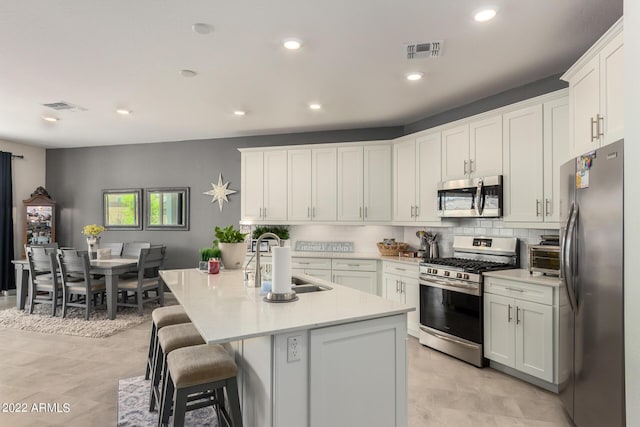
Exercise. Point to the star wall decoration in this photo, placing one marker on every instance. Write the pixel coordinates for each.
(220, 192)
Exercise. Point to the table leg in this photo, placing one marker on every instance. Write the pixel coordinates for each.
(22, 285)
(111, 282)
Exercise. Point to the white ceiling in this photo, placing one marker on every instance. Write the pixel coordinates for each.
(103, 55)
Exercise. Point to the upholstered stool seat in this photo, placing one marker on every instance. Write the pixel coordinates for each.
(163, 316)
(196, 377)
(170, 338)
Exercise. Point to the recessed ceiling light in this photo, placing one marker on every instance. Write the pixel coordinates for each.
(415, 76)
(292, 44)
(188, 73)
(315, 106)
(485, 14)
(201, 28)
(50, 119)
(239, 112)
(123, 111)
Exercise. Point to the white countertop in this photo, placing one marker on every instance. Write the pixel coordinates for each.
(223, 309)
(349, 255)
(522, 275)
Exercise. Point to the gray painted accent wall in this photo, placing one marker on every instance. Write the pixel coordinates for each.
(76, 177)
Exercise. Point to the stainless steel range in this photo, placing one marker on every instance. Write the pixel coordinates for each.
(451, 315)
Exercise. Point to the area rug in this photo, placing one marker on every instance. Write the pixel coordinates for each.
(98, 325)
(133, 407)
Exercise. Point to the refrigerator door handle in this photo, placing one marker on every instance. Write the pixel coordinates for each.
(567, 256)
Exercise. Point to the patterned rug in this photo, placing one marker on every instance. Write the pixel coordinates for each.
(133, 407)
(98, 325)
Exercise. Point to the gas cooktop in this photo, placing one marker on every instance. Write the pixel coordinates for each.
(467, 265)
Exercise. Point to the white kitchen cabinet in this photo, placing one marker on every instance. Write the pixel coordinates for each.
(596, 94)
(316, 267)
(535, 146)
(472, 150)
(263, 177)
(355, 273)
(312, 184)
(519, 327)
(416, 172)
(364, 183)
(400, 283)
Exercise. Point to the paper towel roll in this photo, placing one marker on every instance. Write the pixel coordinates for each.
(281, 270)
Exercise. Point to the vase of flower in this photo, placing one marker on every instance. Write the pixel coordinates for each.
(92, 231)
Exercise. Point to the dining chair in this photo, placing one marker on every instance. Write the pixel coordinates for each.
(79, 288)
(116, 248)
(45, 287)
(132, 249)
(150, 259)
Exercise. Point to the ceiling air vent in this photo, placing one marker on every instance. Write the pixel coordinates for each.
(424, 50)
(64, 106)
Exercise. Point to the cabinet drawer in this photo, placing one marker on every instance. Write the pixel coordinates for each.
(316, 263)
(520, 290)
(354, 264)
(401, 269)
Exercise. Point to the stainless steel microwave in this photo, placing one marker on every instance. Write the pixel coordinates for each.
(474, 197)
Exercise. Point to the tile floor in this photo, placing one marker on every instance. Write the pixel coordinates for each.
(84, 372)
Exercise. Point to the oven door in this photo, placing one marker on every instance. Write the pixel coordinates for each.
(456, 311)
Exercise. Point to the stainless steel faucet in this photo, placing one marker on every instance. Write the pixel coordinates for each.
(258, 275)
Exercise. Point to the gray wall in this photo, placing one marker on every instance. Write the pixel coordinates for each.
(76, 176)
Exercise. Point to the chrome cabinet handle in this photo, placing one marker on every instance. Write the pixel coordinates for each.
(517, 315)
(313, 212)
(515, 289)
(471, 168)
(308, 212)
(465, 167)
(412, 211)
(547, 207)
(404, 287)
(360, 214)
(537, 207)
(260, 214)
(265, 212)
(600, 119)
(365, 212)
(594, 135)
(396, 286)
(417, 211)
(509, 314)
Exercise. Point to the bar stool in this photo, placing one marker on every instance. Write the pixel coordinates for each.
(196, 377)
(163, 316)
(170, 338)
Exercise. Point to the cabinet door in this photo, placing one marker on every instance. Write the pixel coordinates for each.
(455, 153)
(556, 153)
(251, 185)
(485, 147)
(411, 288)
(427, 177)
(320, 274)
(499, 329)
(612, 90)
(275, 181)
(324, 184)
(350, 184)
(584, 106)
(299, 188)
(523, 191)
(534, 339)
(365, 281)
(377, 183)
(391, 288)
(404, 180)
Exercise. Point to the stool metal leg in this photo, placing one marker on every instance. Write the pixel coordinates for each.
(180, 407)
(166, 401)
(152, 342)
(234, 401)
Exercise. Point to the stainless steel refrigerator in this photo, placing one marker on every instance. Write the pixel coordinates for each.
(591, 333)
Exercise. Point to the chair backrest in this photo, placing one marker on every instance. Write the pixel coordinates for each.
(116, 248)
(151, 260)
(41, 261)
(132, 249)
(73, 261)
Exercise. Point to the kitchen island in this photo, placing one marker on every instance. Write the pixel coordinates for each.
(333, 357)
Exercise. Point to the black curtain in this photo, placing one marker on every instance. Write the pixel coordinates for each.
(7, 280)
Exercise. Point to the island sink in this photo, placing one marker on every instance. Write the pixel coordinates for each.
(302, 286)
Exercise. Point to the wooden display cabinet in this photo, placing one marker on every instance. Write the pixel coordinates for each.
(40, 219)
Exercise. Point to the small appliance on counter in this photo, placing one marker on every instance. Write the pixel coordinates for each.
(545, 259)
(428, 244)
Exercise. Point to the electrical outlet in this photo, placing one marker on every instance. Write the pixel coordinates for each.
(293, 348)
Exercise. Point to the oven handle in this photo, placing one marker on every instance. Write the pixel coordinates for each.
(442, 337)
(450, 286)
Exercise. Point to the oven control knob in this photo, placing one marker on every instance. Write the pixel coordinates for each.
(434, 271)
(446, 273)
(428, 270)
(466, 277)
(459, 276)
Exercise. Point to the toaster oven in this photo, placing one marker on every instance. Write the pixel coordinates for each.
(544, 259)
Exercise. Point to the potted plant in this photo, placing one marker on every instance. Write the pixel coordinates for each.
(282, 231)
(231, 244)
(206, 254)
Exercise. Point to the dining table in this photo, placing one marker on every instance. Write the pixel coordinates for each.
(110, 268)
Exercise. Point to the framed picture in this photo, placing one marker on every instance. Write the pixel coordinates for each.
(166, 208)
(122, 209)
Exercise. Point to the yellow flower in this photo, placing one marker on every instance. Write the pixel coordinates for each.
(92, 230)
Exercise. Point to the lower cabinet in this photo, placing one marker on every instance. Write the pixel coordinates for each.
(400, 283)
(519, 331)
(316, 267)
(360, 274)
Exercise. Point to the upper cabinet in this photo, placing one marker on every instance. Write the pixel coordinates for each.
(364, 183)
(263, 184)
(472, 150)
(312, 184)
(416, 173)
(596, 94)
